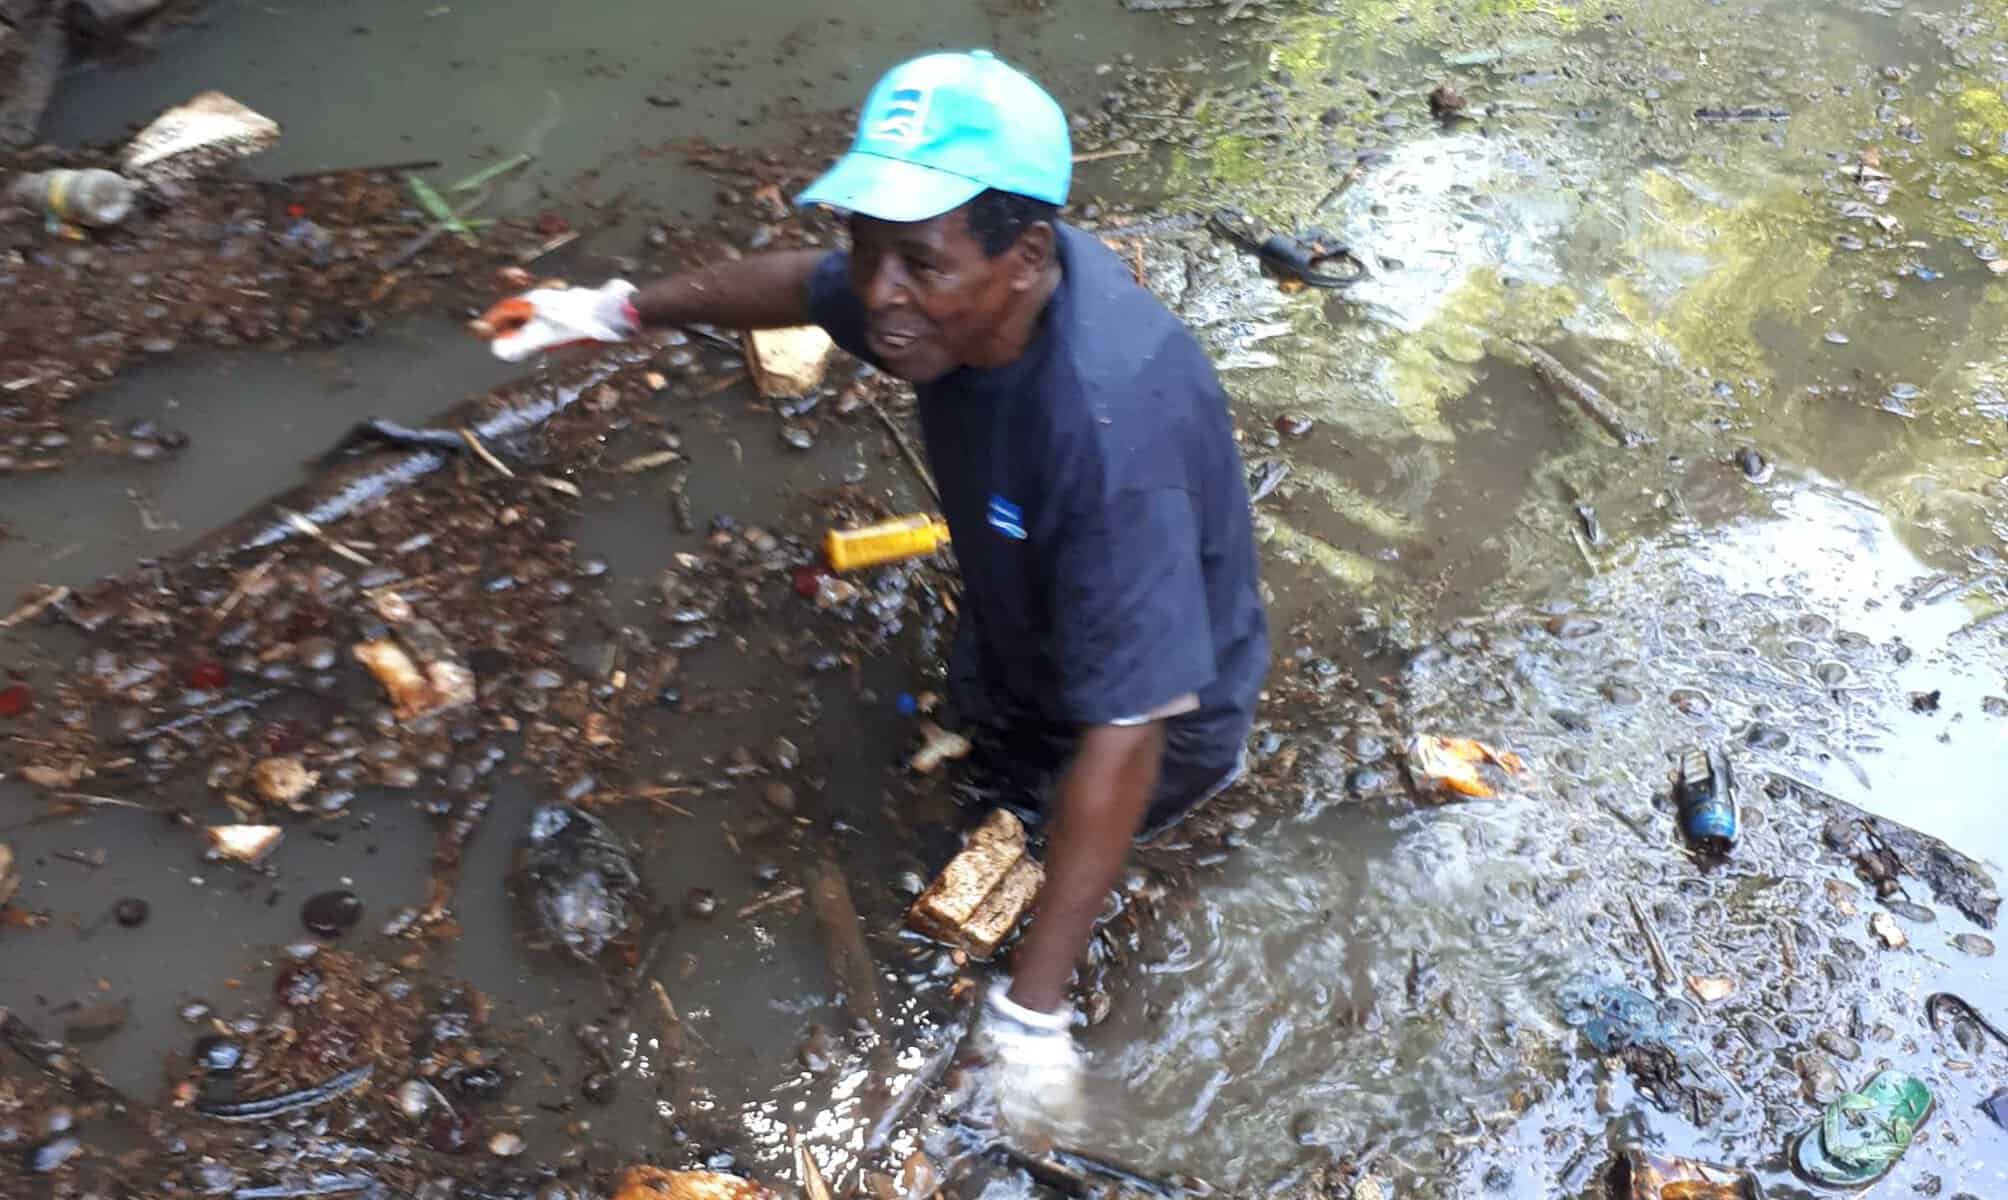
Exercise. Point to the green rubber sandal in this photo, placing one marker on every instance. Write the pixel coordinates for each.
(1863, 1134)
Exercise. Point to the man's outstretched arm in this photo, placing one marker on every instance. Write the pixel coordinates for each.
(1100, 806)
(763, 291)
(767, 291)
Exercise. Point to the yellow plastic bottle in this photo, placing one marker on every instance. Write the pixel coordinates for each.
(887, 541)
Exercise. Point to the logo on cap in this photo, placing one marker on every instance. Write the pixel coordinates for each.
(905, 116)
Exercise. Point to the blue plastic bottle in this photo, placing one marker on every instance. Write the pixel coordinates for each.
(1705, 795)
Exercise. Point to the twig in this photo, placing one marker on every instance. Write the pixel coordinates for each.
(49, 598)
(677, 1026)
(648, 462)
(899, 438)
(104, 801)
(564, 486)
(786, 894)
(1662, 963)
(1583, 547)
(1639, 830)
(481, 452)
(814, 1186)
(850, 959)
(246, 582)
(1573, 387)
(320, 535)
(1338, 189)
(1111, 152)
(556, 241)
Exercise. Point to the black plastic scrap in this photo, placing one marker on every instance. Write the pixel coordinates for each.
(287, 1102)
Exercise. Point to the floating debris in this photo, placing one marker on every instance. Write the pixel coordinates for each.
(331, 913)
(940, 746)
(580, 879)
(282, 780)
(1442, 768)
(191, 139)
(244, 843)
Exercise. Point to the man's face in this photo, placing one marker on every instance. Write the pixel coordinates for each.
(931, 296)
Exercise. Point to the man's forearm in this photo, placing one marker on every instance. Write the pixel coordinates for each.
(1102, 799)
(764, 291)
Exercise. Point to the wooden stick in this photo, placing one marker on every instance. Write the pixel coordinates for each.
(1662, 962)
(1111, 152)
(481, 452)
(1568, 385)
(50, 597)
(791, 892)
(556, 241)
(246, 582)
(320, 535)
(912, 456)
(844, 941)
(814, 1186)
(674, 1023)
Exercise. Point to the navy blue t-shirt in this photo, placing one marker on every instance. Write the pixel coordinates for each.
(1099, 512)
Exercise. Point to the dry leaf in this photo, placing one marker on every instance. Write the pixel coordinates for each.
(1711, 988)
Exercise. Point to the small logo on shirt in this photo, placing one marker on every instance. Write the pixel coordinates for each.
(904, 117)
(1006, 518)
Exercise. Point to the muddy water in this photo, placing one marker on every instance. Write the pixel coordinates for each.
(1355, 973)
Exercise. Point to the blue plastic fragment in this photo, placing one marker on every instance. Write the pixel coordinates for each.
(906, 704)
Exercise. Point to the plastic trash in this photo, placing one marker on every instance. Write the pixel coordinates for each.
(1862, 1134)
(192, 139)
(1705, 796)
(1611, 1015)
(93, 197)
(1444, 768)
(1642, 1174)
(887, 541)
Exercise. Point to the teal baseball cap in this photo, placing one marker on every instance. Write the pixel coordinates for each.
(939, 130)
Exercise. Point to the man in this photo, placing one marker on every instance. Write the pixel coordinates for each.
(1112, 639)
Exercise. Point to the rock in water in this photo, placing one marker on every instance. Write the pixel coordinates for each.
(331, 913)
(580, 879)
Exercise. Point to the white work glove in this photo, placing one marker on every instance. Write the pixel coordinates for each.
(547, 318)
(1031, 1067)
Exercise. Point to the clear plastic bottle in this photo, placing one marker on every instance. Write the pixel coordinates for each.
(93, 196)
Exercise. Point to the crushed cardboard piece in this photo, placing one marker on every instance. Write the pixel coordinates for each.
(786, 363)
